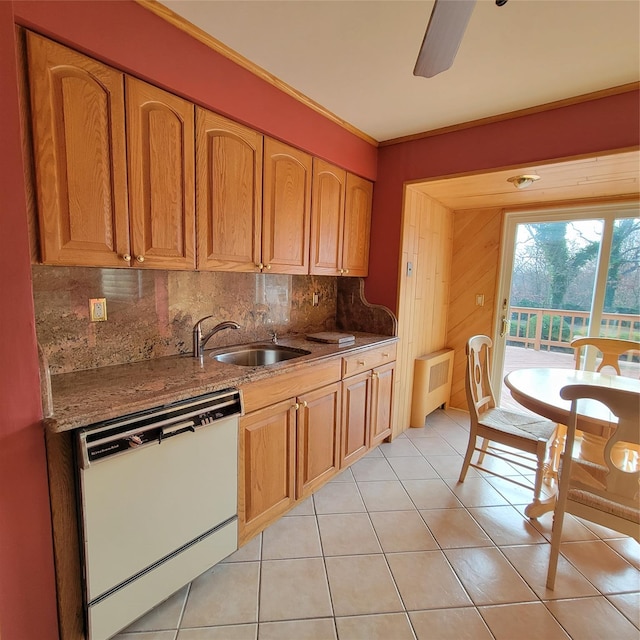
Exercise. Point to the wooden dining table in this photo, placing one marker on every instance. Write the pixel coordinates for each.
(538, 390)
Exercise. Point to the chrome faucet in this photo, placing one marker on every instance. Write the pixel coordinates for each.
(199, 341)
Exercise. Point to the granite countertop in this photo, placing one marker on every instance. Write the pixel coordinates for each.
(81, 398)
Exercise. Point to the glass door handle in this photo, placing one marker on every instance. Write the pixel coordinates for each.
(505, 327)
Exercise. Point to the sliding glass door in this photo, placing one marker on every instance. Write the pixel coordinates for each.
(565, 273)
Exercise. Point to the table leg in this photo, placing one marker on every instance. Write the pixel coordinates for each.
(540, 507)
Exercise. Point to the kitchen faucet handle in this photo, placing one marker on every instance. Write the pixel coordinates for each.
(199, 322)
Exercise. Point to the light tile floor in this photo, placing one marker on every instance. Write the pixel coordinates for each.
(394, 548)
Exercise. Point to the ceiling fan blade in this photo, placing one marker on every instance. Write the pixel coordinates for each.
(446, 27)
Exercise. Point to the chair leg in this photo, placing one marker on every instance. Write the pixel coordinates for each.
(483, 449)
(556, 534)
(467, 458)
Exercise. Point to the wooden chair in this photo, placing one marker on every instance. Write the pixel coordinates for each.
(606, 495)
(607, 357)
(609, 350)
(529, 434)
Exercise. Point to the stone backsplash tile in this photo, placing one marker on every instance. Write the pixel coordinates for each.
(151, 313)
(355, 313)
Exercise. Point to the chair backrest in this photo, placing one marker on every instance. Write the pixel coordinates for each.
(610, 348)
(614, 484)
(480, 396)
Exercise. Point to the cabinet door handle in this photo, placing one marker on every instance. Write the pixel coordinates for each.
(260, 266)
(140, 258)
(296, 405)
(126, 257)
(346, 271)
(268, 267)
(304, 404)
(385, 355)
(374, 375)
(361, 363)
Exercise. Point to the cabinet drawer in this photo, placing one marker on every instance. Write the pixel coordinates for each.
(266, 392)
(365, 360)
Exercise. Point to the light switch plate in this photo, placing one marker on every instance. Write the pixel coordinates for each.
(98, 309)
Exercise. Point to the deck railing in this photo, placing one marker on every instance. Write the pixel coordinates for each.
(553, 329)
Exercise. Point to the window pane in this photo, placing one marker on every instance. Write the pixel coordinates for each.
(622, 295)
(553, 278)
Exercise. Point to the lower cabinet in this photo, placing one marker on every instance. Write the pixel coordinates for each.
(290, 448)
(286, 451)
(266, 485)
(356, 393)
(318, 442)
(366, 411)
(382, 379)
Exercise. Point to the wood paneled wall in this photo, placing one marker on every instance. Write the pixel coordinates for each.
(475, 270)
(427, 235)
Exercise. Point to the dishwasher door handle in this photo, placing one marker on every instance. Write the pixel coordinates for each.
(175, 429)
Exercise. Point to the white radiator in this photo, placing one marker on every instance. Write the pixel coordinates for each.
(431, 384)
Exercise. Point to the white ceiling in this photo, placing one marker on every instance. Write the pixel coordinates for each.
(356, 57)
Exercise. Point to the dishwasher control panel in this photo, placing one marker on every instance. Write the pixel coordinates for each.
(123, 434)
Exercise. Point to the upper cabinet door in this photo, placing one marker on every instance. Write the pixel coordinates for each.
(77, 109)
(160, 143)
(228, 194)
(286, 219)
(327, 218)
(357, 226)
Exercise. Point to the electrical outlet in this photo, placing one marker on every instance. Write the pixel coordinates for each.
(98, 309)
(316, 299)
(479, 299)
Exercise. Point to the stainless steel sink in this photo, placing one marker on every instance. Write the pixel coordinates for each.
(258, 355)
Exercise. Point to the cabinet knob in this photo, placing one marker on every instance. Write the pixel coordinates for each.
(341, 271)
(346, 271)
(374, 375)
(260, 266)
(304, 404)
(385, 355)
(268, 267)
(140, 258)
(361, 363)
(296, 406)
(126, 257)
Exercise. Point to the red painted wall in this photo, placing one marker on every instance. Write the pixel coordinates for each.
(27, 590)
(600, 125)
(128, 36)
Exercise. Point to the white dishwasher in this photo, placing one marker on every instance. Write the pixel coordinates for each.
(158, 504)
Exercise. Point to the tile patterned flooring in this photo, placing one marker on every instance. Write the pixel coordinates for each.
(394, 548)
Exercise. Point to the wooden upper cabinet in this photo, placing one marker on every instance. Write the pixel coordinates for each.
(229, 193)
(286, 215)
(160, 144)
(77, 107)
(357, 226)
(340, 221)
(327, 218)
